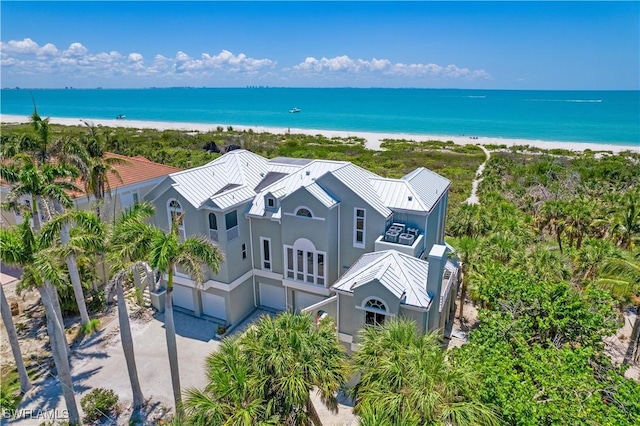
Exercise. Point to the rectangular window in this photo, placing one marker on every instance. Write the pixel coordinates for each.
(136, 200)
(310, 276)
(231, 222)
(300, 268)
(320, 268)
(244, 251)
(271, 202)
(359, 227)
(290, 262)
(266, 253)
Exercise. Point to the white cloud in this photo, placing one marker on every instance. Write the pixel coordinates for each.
(75, 49)
(24, 59)
(27, 57)
(135, 57)
(344, 64)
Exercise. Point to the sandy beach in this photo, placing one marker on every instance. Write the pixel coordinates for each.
(373, 139)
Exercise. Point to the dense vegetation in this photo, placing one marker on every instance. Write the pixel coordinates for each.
(187, 149)
(551, 256)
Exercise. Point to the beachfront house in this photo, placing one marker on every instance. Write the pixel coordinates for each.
(323, 236)
(135, 177)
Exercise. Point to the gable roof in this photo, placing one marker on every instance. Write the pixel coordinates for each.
(428, 185)
(403, 275)
(205, 184)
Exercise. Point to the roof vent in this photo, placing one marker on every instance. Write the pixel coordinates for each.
(261, 174)
(308, 172)
(410, 198)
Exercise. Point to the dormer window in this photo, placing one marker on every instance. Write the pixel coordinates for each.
(271, 202)
(304, 212)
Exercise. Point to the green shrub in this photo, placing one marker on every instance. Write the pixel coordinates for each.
(9, 392)
(99, 403)
(91, 327)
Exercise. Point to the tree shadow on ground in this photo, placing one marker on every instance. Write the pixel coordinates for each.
(191, 327)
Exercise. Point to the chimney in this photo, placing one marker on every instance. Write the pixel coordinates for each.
(437, 259)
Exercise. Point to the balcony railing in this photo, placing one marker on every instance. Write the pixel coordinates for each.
(233, 233)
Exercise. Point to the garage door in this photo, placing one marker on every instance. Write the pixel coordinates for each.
(214, 306)
(272, 296)
(183, 297)
(306, 299)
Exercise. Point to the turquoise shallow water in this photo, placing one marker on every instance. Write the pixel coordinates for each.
(573, 116)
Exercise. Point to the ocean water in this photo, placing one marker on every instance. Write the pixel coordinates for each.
(573, 116)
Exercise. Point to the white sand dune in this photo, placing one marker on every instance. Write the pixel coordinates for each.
(373, 139)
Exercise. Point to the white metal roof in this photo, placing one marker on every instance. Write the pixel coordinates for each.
(398, 194)
(239, 167)
(428, 185)
(359, 180)
(403, 275)
(232, 179)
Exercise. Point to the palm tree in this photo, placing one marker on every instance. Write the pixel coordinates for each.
(21, 247)
(129, 240)
(407, 379)
(579, 219)
(190, 255)
(589, 259)
(233, 394)
(42, 184)
(42, 148)
(265, 376)
(90, 239)
(466, 251)
(98, 167)
(552, 215)
(621, 276)
(626, 219)
(25, 382)
(307, 357)
(126, 336)
(470, 220)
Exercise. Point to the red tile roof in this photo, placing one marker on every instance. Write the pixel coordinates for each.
(138, 170)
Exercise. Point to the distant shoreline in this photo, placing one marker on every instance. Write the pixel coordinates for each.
(373, 139)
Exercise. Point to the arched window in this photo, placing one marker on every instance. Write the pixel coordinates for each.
(176, 216)
(213, 227)
(304, 212)
(374, 312)
(304, 263)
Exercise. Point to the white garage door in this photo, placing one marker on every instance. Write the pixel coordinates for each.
(304, 300)
(214, 306)
(272, 296)
(183, 297)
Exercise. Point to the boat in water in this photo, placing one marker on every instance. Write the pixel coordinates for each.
(121, 117)
(294, 110)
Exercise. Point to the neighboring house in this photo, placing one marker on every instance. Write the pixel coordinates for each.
(326, 236)
(135, 179)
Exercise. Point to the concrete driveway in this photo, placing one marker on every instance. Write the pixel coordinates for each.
(99, 362)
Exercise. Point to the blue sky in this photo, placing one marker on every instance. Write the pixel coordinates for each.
(493, 45)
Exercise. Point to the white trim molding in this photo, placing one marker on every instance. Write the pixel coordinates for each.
(356, 230)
